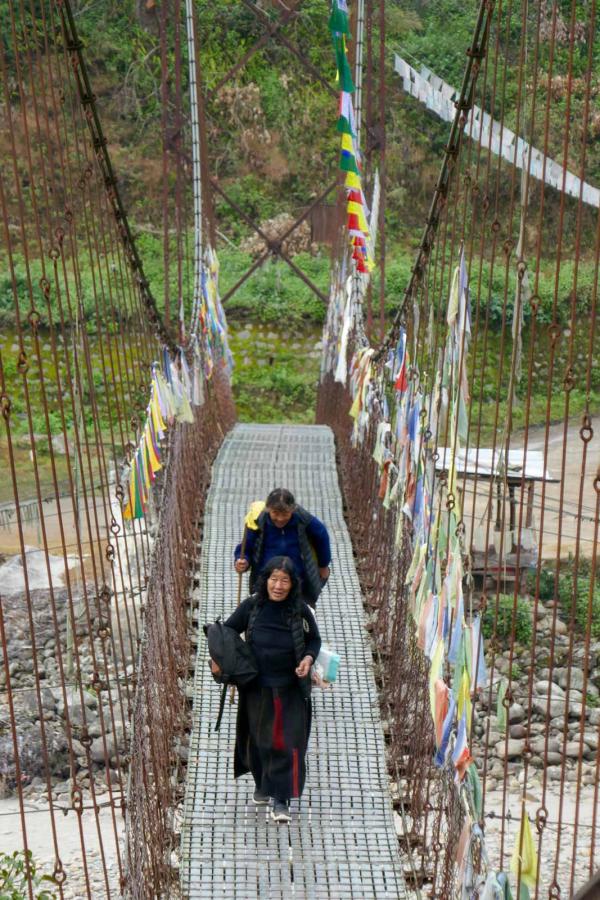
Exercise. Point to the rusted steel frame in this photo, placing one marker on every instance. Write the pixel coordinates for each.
(180, 195)
(274, 247)
(88, 493)
(255, 265)
(260, 14)
(464, 103)
(150, 788)
(260, 43)
(110, 527)
(207, 201)
(75, 50)
(382, 167)
(163, 17)
(24, 367)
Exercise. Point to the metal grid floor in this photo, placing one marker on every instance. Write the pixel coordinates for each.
(341, 842)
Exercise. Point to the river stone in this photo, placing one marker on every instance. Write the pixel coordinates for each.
(518, 731)
(516, 713)
(509, 749)
(557, 707)
(591, 739)
(576, 678)
(572, 749)
(594, 716)
(538, 745)
(543, 688)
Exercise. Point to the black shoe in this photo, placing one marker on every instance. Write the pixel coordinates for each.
(259, 798)
(280, 812)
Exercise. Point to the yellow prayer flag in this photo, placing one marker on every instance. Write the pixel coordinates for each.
(525, 853)
(253, 513)
(347, 143)
(157, 419)
(463, 701)
(128, 511)
(155, 463)
(353, 181)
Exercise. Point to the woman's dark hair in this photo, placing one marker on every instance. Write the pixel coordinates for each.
(280, 498)
(283, 564)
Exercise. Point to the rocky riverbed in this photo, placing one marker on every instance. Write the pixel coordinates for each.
(84, 688)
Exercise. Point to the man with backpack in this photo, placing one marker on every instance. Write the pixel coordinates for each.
(285, 529)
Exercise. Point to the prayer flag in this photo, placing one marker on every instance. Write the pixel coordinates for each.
(525, 855)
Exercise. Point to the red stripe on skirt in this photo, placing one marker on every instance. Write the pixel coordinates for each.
(278, 740)
(295, 779)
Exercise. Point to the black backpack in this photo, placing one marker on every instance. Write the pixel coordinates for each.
(233, 656)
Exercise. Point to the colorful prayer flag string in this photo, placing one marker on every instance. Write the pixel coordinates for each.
(171, 396)
(350, 159)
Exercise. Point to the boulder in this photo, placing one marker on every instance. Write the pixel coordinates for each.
(576, 678)
(540, 705)
(572, 750)
(544, 688)
(509, 749)
(516, 713)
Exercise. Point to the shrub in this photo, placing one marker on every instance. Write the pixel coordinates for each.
(523, 619)
(570, 589)
(13, 878)
(546, 586)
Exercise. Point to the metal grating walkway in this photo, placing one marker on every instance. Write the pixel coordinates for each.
(341, 843)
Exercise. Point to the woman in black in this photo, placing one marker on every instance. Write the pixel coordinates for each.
(274, 712)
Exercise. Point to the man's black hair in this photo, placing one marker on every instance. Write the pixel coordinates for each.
(280, 498)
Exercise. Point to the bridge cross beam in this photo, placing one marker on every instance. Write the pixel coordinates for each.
(288, 12)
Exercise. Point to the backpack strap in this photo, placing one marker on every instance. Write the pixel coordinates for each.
(252, 617)
(221, 707)
(313, 584)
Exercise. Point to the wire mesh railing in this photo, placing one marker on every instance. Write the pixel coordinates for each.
(469, 463)
(110, 420)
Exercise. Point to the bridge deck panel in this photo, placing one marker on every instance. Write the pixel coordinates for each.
(341, 843)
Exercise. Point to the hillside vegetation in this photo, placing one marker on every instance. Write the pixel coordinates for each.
(272, 142)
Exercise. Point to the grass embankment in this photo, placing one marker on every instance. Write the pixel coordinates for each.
(277, 366)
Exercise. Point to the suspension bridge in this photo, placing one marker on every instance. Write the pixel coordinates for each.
(455, 460)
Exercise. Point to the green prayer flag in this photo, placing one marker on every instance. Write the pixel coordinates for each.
(138, 510)
(338, 20)
(476, 792)
(344, 126)
(500, 707)
(348, 164)
(343, 67)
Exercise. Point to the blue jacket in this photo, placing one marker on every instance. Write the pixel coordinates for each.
(287, 541)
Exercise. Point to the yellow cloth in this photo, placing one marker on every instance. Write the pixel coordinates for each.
(525, 853)
(347, 143)
(353, 181)
(463, 701)
(155, 463)
(435, 672)
(253, 513)
(129, 508)
(157, 419)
